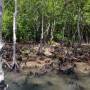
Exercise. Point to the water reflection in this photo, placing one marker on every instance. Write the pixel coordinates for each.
(49, 82)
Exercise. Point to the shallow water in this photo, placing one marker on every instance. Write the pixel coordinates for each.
(47, 82)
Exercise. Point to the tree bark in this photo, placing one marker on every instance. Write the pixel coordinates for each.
(47, 33)
(78, 26)
(42, 32)
(2, 78)
(52, 30)
(41, 39)
(14, 64)
(0, 20)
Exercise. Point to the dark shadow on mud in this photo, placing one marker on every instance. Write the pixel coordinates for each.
(30, 86)
(73, 80)
(75, 85)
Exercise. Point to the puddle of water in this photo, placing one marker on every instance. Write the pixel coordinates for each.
(47, 82)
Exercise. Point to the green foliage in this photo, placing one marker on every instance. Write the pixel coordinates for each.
(30, 14)
(60, 36)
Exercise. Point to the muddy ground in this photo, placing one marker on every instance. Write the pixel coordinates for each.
(55, 57)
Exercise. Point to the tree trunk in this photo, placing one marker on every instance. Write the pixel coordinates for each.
(37, 29)
(51, 33)
(87, 41)
(14, 64)
(78, 26)
(41, 39)
(0, 20)
(52, 30)
(42, 32)
(47, 32)
(1, 45)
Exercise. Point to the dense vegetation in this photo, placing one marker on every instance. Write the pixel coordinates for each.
(48, 20)
(51, 38)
